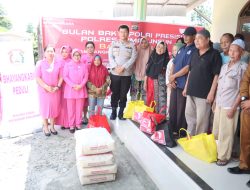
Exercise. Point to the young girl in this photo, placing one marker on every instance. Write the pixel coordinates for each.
(155, 82)
(75, 75)
(143, 53)
(175, 49)
(225, 41)
(49, 79)
(227, 102)
(62, 118)
(87, 59)
(97, 84)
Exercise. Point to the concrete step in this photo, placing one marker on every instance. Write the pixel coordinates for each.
(161, 168)
(173, 168)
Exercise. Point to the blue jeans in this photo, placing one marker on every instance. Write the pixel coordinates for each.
(93, 102)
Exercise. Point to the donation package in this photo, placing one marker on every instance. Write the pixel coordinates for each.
(94, 157)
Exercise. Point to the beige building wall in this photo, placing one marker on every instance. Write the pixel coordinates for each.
(225, 17)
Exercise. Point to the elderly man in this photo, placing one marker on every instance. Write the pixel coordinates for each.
(201, 84)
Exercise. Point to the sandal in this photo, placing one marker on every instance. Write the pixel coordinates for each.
(221, 162)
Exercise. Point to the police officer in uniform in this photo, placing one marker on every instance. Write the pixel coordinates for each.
(122, 54)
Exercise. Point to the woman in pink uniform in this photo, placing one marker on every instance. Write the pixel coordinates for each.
(62, 118)
(49, 79)
(87, 58)
(75, 75)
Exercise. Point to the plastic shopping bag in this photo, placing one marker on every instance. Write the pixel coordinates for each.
(202, 146)
(139, 109)
(164, 135)
(99, 120)
(129, 110)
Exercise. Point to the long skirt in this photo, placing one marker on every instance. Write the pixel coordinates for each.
(156, 91)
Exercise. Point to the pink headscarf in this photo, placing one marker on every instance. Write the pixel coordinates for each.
(142, 59)
(68, 48)
(67, 59)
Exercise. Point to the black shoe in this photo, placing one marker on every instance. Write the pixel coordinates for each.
(248, 183)
(46, 134)
(120, 114)
(63, 128)
(237, 170)
(113, 114)
(53, 132)
(72, 130)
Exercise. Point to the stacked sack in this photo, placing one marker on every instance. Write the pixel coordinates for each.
(94, 158)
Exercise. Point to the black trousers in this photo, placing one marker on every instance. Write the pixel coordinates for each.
(177, 107)
(120, 86)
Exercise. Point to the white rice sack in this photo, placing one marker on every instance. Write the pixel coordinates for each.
(95, 160)
(93, 141)
(100, 170)
(84, 180)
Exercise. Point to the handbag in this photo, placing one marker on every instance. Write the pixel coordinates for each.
(98, 120)
(129, 110)
(164, 135)
(150, 120)
(139, 109)
(202, 146)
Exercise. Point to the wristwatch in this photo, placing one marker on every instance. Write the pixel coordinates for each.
(243, 98)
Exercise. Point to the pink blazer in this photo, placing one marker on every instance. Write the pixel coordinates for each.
(75, 74)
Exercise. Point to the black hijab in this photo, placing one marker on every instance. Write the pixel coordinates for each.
(157, 63)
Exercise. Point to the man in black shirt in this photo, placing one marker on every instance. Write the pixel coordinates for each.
(201, 85)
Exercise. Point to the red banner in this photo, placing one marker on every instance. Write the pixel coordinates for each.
(76, 32)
